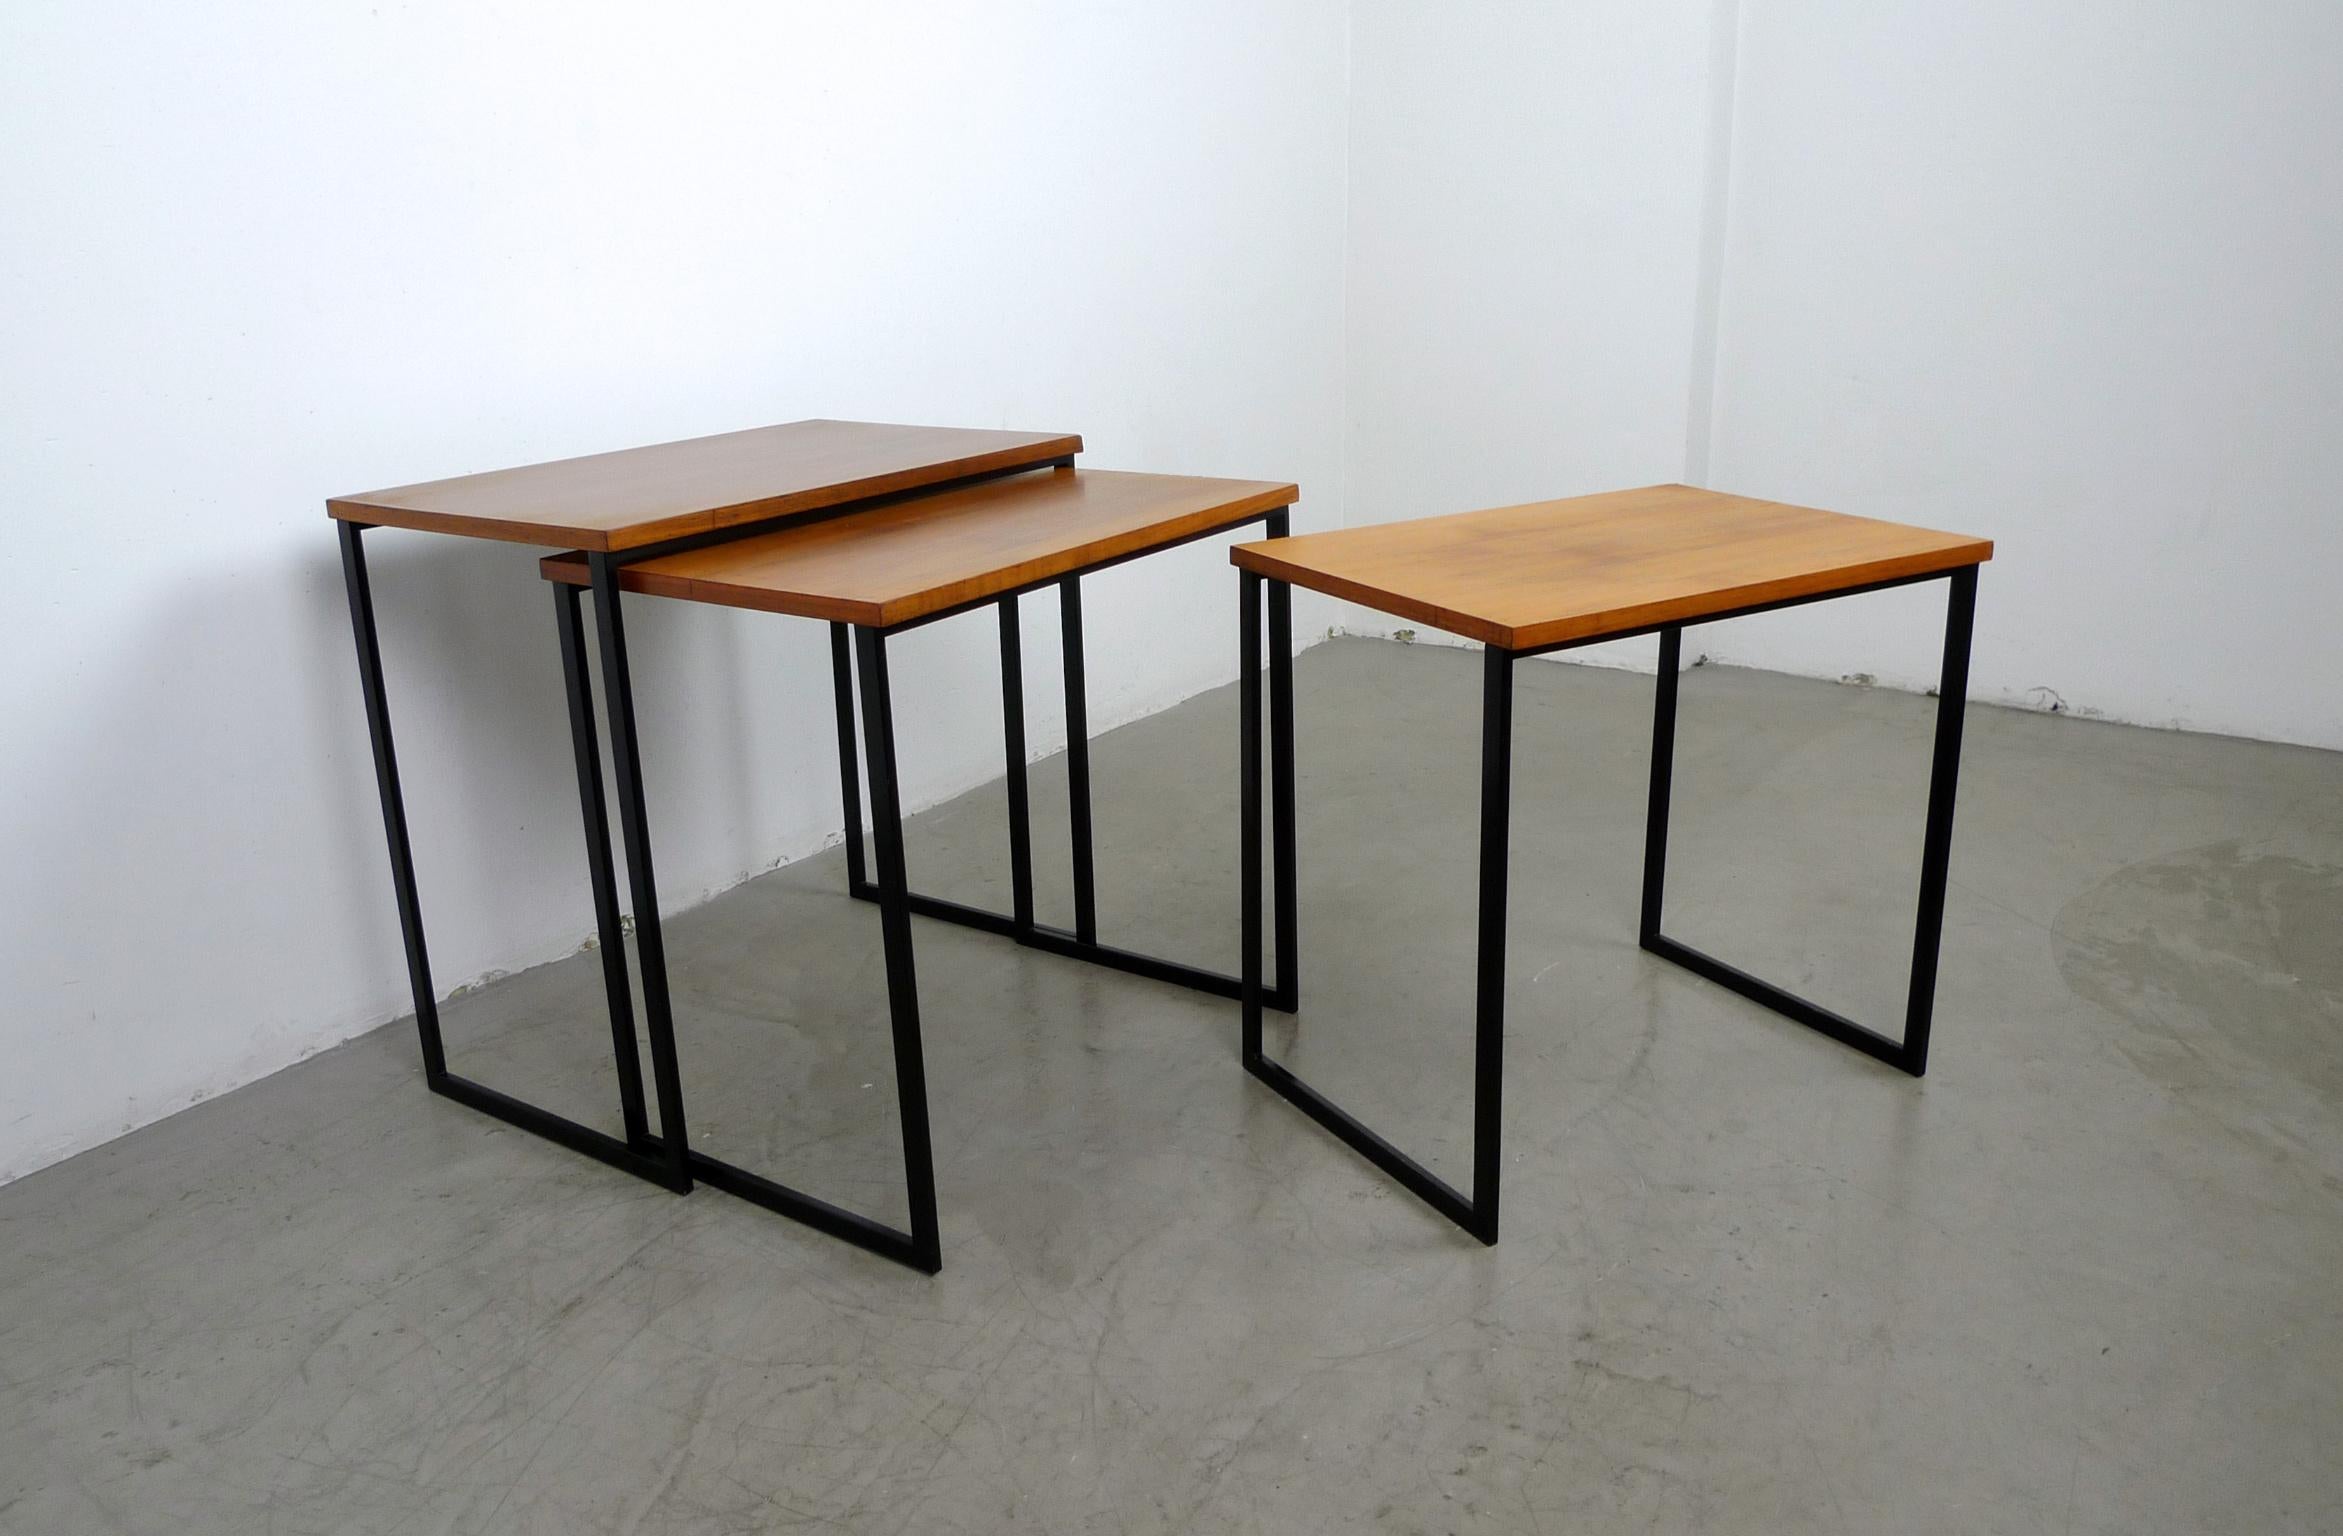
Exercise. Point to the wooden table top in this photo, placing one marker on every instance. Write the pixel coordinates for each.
(638, 496)
(1591, 566)
(922, 554)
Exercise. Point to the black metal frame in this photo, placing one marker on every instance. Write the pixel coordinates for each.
(920, 1248)
(1477, 1212)
(1909, 1054)
(636, 1153)
(666, 1157)
(1019, 923)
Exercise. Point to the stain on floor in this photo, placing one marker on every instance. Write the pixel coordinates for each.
(2228, 946)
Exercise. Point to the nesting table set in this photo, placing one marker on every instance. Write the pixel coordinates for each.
(876, 529)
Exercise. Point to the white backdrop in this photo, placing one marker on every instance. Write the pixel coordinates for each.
(1527, 186)
(2069, 275)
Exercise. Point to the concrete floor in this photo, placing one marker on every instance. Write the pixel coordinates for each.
(2084, 1278)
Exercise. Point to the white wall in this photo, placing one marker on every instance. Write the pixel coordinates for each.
(254, 255)
(1527, 191)
(2070, 275)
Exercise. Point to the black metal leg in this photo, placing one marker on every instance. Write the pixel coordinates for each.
(1489, 983)
(1249, 815)
(1952, 697)
(849, 771)
(919, 1247)
(1013, 750)
(478, 1096)
(394, 809)
(607, 925)
(1078, 760)
(676, 1161)
(650, 949)
(1081, 941)
(1286, 994)
(1663, 770)
(895, 924)
(1031, 932)
(1910, 1054)
(1476, 1213)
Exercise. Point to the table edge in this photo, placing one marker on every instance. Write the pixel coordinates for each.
(1260, 557)
(743, 515)
(569, 567)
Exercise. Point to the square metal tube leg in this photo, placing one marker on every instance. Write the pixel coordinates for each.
(1013, 754)
(1663, 770)
(1909, 1054)
(1476, 1213)
(858, 883)
(608, 927)
(1249, 816)
(1020, 923)
(919, 1247)
(1285, 994)
(479, 1096)
(925, 1249)
(1489, 979)
(394, 806)
(1944, 774)
(634, 830)
(1078, 760)
(849, 766)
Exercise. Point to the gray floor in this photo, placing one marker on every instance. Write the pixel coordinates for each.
(2084, 1278)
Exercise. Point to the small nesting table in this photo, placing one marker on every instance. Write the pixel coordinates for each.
(1551, 575)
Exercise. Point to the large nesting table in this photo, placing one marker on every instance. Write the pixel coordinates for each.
(1551, 575)
(876, 528)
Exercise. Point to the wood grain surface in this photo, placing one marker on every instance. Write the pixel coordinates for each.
(922, 554)
(638, 496)
(1589, 566)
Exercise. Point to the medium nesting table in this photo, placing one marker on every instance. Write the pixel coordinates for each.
(878, 571)
(1551, 575)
